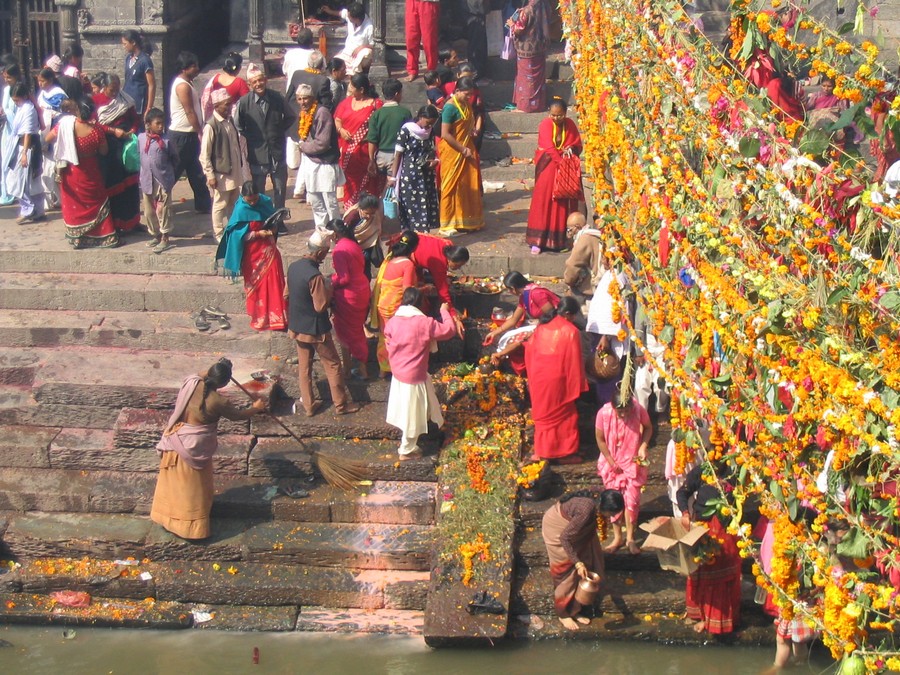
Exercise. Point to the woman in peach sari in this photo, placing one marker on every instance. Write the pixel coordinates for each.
(461, 200)
(396, 274)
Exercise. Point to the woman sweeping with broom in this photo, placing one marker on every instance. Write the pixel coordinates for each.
(184, 487)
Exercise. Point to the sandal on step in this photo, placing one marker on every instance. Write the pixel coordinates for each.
(201, 324)
(223, 323)
(209, 310)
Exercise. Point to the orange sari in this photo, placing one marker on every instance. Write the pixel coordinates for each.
(394, 276)
(461, 200)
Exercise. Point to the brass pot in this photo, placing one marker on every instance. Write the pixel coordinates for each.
(588, 589)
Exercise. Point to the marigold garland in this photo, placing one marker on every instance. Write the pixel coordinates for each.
(306, 120)
(779, 311)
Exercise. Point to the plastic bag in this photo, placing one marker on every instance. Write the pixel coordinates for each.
(131, 156)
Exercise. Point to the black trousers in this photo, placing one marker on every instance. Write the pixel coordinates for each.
(477, 49)
(188, 146)
(278, 172)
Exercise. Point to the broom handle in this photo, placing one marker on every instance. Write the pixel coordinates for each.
(270, 414)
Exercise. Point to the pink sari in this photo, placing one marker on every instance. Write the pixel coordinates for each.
(351, 298)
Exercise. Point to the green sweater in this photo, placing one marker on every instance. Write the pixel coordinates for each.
(384, 125)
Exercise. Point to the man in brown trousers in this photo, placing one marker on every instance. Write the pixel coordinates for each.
(309, 297)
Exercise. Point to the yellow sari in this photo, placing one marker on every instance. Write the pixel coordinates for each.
(461, 201)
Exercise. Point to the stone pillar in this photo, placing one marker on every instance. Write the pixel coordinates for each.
(68, 23)
(379, 67)
(257, 50)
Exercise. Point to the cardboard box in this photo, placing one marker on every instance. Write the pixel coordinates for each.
(674, 546)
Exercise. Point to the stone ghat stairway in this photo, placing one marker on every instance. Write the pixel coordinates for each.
(78, 477)
(94, 347)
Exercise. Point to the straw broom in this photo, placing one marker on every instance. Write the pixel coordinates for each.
(343, 474)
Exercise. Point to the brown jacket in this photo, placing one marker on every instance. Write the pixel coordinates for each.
(585, 260)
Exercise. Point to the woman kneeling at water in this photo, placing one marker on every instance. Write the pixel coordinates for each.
(184, 487)
(570, 534)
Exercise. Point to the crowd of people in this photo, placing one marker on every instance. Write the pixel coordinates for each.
(99, 150)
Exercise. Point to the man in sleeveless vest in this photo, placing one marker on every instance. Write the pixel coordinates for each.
(223, 156)
(309, 297)
(186, 122)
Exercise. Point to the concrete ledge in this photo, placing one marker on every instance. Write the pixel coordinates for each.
(386, 621)
(103, 612)
(368, 547)
(249, 618)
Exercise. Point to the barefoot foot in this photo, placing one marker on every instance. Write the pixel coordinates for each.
(614, 546)
(583, 620)
(700, 627)
(633, 548)
(568, 623)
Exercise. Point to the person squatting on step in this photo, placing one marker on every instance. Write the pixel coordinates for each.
(184, 487)
(569, 530)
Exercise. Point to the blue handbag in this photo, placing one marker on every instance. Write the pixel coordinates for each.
(389, 202)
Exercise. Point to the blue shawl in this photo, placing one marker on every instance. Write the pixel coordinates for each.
(231, 248)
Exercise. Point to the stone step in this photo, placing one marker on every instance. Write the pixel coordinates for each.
(518, 176)
(283, 457)
(368, 423)
(248, 618)
(80, 490)
(225, 583)
(103, 612)
(523, 146)
(516, 122)
(624, 593)
(383, 621)
(659, 627)
(24, 411)
(372, 546)
(118, 378)
(58, 490)
(118, 292)
(26, 447)
(161, 331)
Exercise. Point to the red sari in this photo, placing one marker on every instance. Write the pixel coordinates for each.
(83, 200)
(355, 152)
(263, 274)
(555, 381)
(547, 216)
(713, 592)
(351, 297)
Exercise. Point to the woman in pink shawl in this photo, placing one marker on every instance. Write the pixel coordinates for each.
(351, 298)
(184, 487)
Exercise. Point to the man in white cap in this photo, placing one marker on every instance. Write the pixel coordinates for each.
(263, 119)
(309, 296)
(319, 164)
(223, 156)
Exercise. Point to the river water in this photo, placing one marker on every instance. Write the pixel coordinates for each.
(195, 652)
